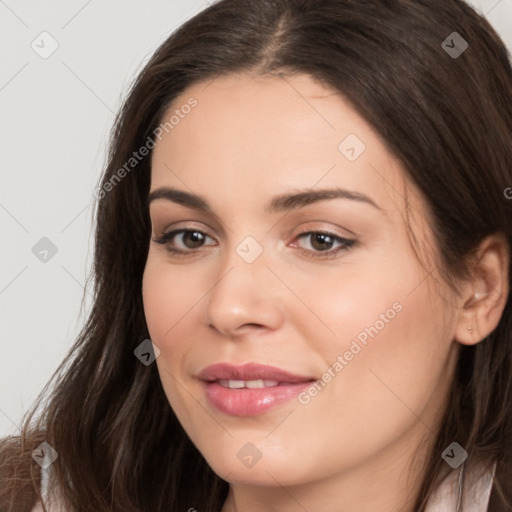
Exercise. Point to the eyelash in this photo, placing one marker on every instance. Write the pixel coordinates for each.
(347, 244)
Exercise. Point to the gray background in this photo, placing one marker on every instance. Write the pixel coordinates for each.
(56, 116)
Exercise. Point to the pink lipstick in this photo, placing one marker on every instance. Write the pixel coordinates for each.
(250, 389)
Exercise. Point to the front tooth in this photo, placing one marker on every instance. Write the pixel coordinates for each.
(250, 384)
(254, 384)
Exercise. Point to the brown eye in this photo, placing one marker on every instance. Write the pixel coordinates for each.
(321, 244)
(183, 240)
(192, 239)
(321, 241)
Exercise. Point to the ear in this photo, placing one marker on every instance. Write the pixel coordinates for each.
(484, 297)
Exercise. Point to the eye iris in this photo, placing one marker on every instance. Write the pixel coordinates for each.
(323, 240)
(194, 237)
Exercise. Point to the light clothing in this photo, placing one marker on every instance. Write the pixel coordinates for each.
(52, 504)
(478, 492)
(444, 499)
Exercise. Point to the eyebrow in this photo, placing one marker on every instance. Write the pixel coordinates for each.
(280, 203)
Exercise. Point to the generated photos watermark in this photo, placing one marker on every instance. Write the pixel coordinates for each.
(342, 361)
(139, 155)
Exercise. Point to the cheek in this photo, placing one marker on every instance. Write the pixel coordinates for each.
(382, 341)
(168, 299)
(357, 300)
(168, 296)
(173, 299)
(391, 373)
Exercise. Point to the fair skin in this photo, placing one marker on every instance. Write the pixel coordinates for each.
(353, 446)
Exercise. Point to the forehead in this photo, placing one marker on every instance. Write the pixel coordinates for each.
(261, 136)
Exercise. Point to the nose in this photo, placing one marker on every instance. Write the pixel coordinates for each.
(245, 297)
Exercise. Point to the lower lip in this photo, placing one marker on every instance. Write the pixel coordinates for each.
(250, 402)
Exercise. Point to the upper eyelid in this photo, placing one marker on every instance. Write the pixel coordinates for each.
(190, 224)
(175, 226)
(214, 223)
(208, 216)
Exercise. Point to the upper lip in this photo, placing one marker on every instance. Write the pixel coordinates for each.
(249, 371)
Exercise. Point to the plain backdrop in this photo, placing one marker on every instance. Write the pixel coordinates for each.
(56, 112)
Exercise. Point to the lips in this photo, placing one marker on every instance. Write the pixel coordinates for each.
(250, 389)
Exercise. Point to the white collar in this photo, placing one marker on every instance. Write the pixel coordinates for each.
(476, 499)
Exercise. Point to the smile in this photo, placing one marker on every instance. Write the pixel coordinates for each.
(250, 389)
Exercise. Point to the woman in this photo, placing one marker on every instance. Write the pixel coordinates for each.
(302, 274)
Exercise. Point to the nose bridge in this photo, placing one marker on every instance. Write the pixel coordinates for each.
(244, 261)
(243, 292)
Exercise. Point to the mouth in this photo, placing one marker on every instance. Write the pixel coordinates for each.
(250, 389)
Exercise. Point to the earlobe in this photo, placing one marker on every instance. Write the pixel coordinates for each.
(485, 296)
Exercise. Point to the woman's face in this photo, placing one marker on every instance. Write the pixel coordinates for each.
(291, 252)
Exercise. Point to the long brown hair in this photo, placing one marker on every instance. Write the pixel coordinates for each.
(446, 117)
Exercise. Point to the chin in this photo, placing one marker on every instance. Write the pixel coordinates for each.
(242, 463)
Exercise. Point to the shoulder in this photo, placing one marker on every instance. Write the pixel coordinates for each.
(19, 474)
